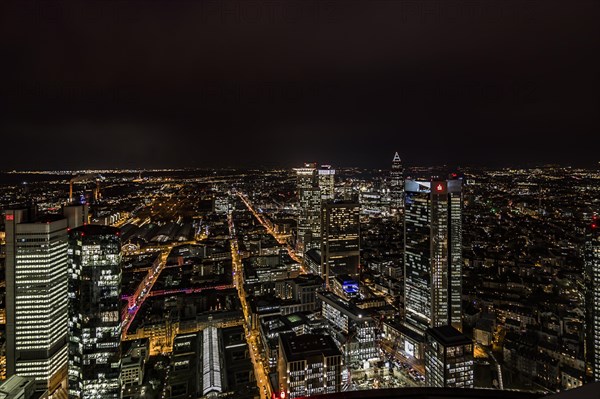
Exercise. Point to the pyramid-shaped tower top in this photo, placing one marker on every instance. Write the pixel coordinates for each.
(396, 158)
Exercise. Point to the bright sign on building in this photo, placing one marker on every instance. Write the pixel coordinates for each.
(350, 287)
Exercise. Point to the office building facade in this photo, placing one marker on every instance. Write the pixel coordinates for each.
(433, 254)
(94, 312)
(352, 328)
(309, 200)
(326, 182)
(308, 364)
(36, 302)
(448, 358)
(592, 278)
(76, 214)
(340, 235)
(314, 185)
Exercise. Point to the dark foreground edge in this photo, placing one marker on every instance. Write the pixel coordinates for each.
(587, 391)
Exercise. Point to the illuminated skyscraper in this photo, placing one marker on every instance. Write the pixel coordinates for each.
(433, 254)
(94, 312)
(396, 183)
(340, 234)
(326, 177)
(36, 300)
(309, 198)
(314, 186)
(592, 269)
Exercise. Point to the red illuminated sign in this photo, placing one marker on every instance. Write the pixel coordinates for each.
(439, 187)
(10, 217)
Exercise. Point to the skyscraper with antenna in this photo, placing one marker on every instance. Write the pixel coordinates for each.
(396, 184)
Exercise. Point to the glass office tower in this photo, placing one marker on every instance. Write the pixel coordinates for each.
(326, 177)
(94, 312)
(309, 199)
(433, 254)
(340, 234)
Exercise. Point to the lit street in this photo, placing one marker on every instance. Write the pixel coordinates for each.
(260, 373)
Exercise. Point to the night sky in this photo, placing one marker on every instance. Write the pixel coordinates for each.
(275, 83)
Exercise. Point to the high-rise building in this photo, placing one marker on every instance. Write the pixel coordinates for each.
(314, 185)
(36, 300)
(309, 198)
(592, 269)
(76, 214)
(396, 184)
(308, 364)
(340, 239)
(448, 358)
(433, 254)
(94, 312)
(352, 328)
(326, 177)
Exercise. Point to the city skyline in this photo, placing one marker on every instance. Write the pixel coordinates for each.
(293, 199)
(476, 280)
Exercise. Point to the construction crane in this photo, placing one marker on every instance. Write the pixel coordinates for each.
(86, 178)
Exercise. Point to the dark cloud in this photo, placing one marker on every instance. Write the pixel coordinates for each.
(218, 83)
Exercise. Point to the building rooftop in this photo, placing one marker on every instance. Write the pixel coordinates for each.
(405, 330)
(344, 306)
(131, 361)
(19, 387)
(449, 336)
(48, 218)
(314, 255)
(298, 347)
